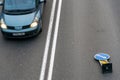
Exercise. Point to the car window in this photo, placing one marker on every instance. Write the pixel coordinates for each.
(19, 4)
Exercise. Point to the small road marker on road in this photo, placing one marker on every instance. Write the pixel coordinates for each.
(103, 59)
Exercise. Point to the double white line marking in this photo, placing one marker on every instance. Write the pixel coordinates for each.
(45, 56)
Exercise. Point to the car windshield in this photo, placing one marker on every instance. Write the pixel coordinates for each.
(18, 5)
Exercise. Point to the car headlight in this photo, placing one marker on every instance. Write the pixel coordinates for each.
(2, 24)
(35, 23)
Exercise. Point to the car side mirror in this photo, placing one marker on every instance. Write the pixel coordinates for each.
(42, 1)
(1, 3)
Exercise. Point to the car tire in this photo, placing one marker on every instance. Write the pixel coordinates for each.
(41, 26)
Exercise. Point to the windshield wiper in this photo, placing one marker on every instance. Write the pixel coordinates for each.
(9, 11)
(19, 11)
(30, 10)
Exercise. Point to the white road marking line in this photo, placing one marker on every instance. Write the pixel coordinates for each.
(54, 41)
(45, 55)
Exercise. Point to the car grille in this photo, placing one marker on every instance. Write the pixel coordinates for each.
(13, 28)
(25, 27)
(10, 27)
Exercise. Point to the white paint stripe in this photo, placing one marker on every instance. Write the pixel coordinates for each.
(101, 56)
(45, 55)
(54, 41)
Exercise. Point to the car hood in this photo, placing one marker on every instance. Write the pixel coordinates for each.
(19, 20)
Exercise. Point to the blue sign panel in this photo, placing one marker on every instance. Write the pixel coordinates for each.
(102, 56)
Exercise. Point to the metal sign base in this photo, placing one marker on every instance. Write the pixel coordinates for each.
(106, 66)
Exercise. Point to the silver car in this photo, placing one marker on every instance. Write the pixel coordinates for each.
(21, 18)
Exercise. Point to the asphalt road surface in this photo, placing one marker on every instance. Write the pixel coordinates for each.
(22, 59)
(86, 28)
